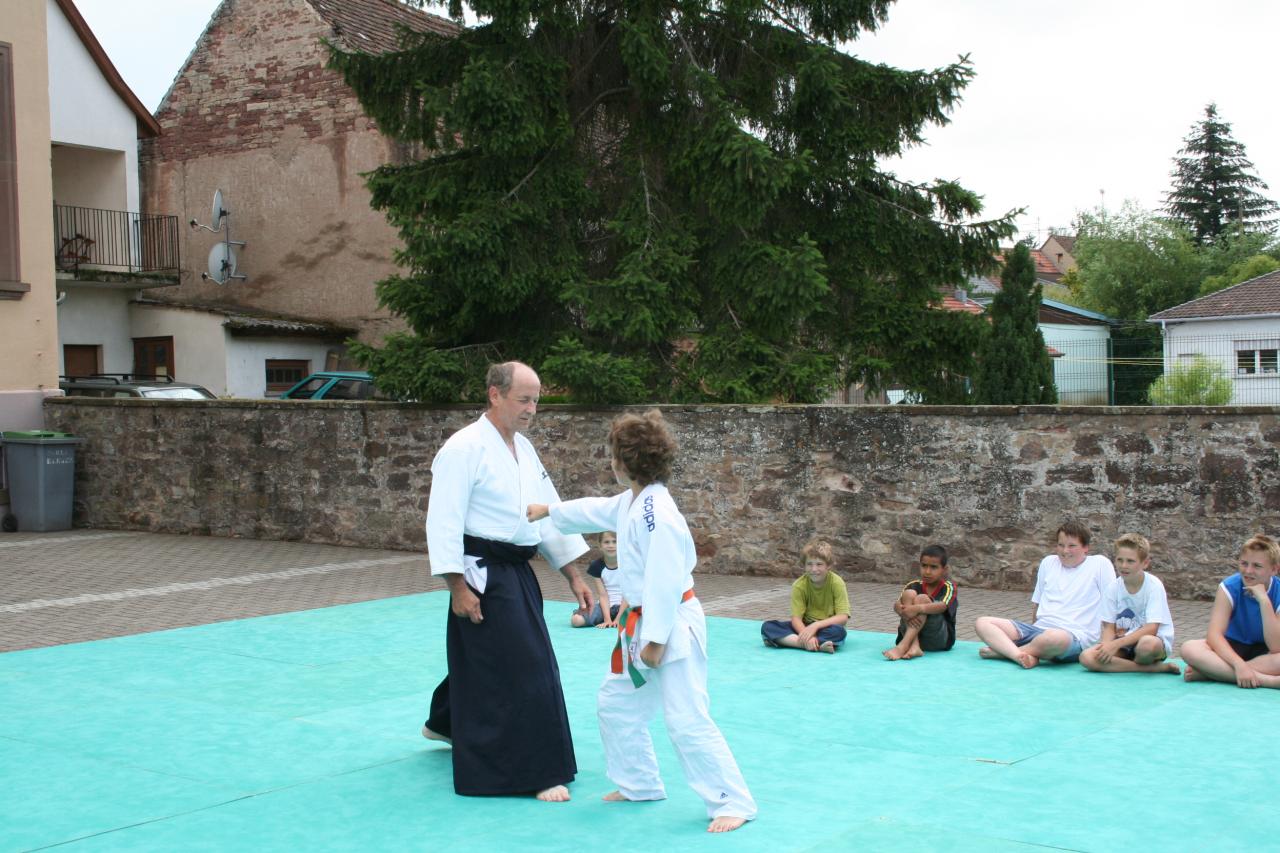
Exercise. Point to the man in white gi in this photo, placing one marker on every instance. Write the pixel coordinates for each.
(661, 659)
(501, 705)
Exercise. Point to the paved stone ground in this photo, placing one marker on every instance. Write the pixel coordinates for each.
(81, 585)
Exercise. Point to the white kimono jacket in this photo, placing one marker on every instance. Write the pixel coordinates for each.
(656, 557)
(479, 489)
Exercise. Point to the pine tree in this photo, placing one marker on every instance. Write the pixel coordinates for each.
(667, 200)
(1213, 188)
(1014, 367)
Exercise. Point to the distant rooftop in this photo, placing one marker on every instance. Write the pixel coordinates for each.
(1256, 297)
(373, 26)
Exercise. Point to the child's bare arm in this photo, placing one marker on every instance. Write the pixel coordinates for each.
(1270, 621)
(934, 607)
(1148, 630)
(837, 619)
(1216, 640)
(604, 604)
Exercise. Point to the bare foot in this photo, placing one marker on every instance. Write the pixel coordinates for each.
(725, 824)
(1190, 674)
(1028, 661)
(914, 652)
(1171, 668)
(989, 653)
(894, 653)
(430, 735)
(554, 794)
(614, 797)
(828, 647)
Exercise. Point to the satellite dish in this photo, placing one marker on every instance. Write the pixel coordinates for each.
(222, 257)
(218, 212)
(222, 263)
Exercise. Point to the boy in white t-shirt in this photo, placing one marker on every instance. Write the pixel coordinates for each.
(1067, 606)
(1137, 627)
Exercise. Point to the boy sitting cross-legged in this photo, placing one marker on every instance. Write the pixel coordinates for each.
(1137, 628)
(1066, 606)
(926, 609)
(1243, 646)
(819, 606)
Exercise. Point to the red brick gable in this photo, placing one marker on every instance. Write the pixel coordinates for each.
(257, 75)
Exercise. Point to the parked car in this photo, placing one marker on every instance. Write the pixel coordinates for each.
(335, 385)
(131, 385)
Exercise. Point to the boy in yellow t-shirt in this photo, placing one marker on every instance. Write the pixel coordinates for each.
(819, 606)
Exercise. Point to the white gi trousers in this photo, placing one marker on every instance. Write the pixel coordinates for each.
(679, 689)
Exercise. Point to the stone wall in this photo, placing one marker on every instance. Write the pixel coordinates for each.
(991, 483)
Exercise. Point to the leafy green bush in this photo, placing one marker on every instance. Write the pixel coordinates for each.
(1200, 383)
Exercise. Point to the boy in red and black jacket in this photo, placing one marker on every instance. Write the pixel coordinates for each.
(926, 609)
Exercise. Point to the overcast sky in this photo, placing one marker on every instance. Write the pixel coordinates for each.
(1075, 101)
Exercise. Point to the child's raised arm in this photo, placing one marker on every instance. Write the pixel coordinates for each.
(1270, 621)
(1217, 640)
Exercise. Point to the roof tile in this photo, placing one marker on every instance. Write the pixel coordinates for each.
(373, 26)
(1259, 295)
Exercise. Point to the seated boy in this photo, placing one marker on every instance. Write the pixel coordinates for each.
(604, 613)
(819, 606)
(1067, 606)
(1243, 646)
(1137, 628)
(926, 609)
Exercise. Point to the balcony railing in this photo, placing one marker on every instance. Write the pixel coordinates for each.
(90, 241)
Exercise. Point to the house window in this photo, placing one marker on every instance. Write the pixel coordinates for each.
(11, 285)
(1255, 358)
(283, 374)
(81, 359)
(153, 357)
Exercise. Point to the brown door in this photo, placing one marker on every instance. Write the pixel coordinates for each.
(153, 357)
(81, 359)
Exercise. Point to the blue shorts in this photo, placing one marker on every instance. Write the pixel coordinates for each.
(1027, 633)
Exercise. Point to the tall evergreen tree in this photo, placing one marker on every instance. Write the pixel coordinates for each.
(671, 199)
(1014, 367)
(1213, 187)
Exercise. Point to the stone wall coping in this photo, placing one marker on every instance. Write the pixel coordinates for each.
(789, 408)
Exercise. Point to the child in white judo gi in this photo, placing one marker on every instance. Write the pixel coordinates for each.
(661, 658)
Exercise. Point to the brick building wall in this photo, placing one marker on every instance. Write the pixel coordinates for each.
(991, 483)
(255, 113)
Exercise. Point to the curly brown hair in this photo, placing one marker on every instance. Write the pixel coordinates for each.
(644, 445)
(819, 549)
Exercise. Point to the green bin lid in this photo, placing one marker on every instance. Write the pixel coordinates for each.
(33, 434)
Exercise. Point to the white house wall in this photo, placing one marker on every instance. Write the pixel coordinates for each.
(84, 110)
(247, 361)
(1081, 372)
(1215, 339)
(199, 342)
(91, 316)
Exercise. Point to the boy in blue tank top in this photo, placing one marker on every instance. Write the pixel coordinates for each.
(1243, 646)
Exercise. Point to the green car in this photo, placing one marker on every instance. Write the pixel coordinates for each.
(335, 385)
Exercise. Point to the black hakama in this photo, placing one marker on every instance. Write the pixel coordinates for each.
(501, 702)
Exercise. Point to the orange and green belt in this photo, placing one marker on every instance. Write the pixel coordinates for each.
(627, 621)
